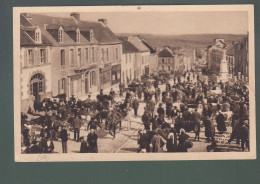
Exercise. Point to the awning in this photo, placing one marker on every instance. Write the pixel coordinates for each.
(116, 67)
(81, 70)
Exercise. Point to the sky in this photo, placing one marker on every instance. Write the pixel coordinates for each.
(199, 22)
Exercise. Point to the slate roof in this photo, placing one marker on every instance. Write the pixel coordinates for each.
(102, 34)
(230, 50)
(145, 42)
(127, 46)
(24, 21)
(138, 43)
(166, 52)
(27, 37)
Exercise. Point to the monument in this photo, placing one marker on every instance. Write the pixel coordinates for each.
(223, 73)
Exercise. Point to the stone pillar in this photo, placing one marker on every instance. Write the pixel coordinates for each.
(223, 74)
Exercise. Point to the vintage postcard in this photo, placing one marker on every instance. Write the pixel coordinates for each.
(133, 83)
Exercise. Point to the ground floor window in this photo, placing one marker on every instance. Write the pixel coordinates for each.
(106, 76)
(37, 84)
(92, 78)
(62, 86)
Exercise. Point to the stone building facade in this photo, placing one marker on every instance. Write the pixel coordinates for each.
(35, 62)
(86, 56)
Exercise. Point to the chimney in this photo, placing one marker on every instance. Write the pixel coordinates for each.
(103, 21)
(76, 16)
(45, 26)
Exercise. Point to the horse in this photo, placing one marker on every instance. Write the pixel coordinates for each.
(113, 121)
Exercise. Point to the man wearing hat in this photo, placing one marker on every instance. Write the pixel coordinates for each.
(64, 139)
(244, 134)
(76, 125)
(146, 118)
(158, 141)
(196, 118)
(160, 110)
(135, 105)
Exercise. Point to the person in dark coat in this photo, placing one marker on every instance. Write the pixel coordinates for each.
(76, 125)
(139, 93)
(154, 122)
(160, 111)
(64, 139)
(221, 126)
(135, 105)
(83, 145)
(186, 115)
(158, 142)
(244, 135)
(46, 145)
(169, 106)
(152, 106)
(144, 142)
(193, 93)
(235, 126)
(184, 144)
(209, 128)
(26, 135)
(146, 119)
(92, 141)
(174, 112)
(34, 147)
(196, 118)
(188, 78)
(171, 144)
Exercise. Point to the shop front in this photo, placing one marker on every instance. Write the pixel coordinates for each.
(116, 74)
(105, 76)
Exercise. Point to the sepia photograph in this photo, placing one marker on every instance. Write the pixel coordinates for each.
(125, 83)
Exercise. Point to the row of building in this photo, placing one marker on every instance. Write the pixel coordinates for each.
(234, 54)
(75, 57)
(174, 59)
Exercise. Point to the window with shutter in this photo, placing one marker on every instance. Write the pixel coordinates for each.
(59, 87)
(62, 58)
(86, 55)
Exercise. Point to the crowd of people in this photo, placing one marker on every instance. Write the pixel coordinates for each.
(171, 110)
(190, 105)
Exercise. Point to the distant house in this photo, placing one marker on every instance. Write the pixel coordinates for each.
(86, 55)
(215, 55)
(153, 57)
(144, 53)
(166, 60)
(35, 50)
(129, 62)
(241, 68)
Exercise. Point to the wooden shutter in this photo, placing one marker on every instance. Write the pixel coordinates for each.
(59, 86)
(46, 55)
(65, 85)
(25, 58)
(35, 53)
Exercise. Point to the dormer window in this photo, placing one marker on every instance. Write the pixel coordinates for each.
(91, 35)
(60, 35)
(38, 37)
(78, 35)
